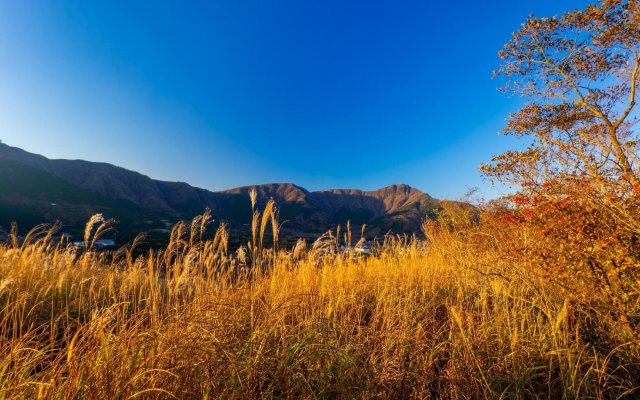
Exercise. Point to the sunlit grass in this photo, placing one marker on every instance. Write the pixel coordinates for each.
(193, 321)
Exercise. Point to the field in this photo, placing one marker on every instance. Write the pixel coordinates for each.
(526, 288)
(442, 317)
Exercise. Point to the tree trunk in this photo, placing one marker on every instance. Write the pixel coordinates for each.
(623, 160)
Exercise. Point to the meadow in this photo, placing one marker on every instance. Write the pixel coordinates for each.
(534, 294)
(448, 315)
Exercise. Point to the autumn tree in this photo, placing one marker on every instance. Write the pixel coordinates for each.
(577, 179)
(580, 73)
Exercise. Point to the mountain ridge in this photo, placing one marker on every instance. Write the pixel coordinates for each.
(79, 188)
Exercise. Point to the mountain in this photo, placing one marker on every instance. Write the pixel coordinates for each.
(35, 189)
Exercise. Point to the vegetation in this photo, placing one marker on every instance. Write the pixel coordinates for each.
(452, 317)
(577, 183)
(535, 295)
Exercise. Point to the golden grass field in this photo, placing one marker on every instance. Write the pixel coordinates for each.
(441, 318)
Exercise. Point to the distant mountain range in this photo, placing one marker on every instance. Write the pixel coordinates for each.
(35, 189)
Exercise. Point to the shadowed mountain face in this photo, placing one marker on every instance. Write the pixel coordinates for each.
(34, 189)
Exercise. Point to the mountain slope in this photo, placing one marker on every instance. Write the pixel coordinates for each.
(36, 189)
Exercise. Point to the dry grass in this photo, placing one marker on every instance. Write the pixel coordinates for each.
(191, 321)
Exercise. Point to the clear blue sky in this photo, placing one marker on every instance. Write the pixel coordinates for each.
(326, 93)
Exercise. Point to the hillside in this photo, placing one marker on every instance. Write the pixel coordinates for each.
(35, 189)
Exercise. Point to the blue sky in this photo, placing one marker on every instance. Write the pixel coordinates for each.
(324, 93)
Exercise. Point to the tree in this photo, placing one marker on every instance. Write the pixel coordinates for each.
(580, 73)
(578, 179)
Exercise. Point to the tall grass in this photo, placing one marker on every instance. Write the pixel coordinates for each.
(439, 320)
